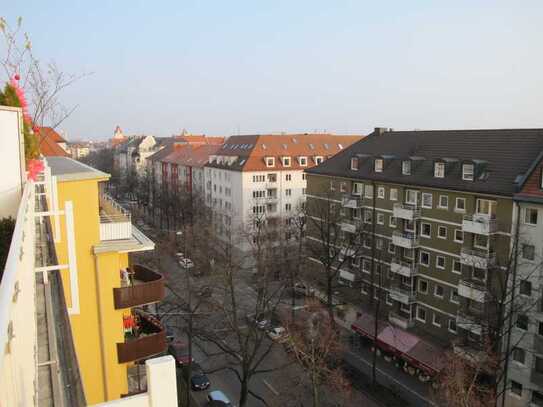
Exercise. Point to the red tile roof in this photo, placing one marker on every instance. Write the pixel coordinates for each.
(192, 156)
(48, 146)
(52, 134)
(199, 139)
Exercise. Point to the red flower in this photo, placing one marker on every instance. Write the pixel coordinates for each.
(17, 77)
(34, 167)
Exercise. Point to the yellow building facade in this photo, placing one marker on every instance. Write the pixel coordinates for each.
(93, 238)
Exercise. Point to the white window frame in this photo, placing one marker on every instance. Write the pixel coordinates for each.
(442, 227)
(434, 323)
(393, 194)
(451, 296)
(368, 191)
(422, 229)
(408, 192)
(444, 262)
(318, 159)
(364, 263)
(378, 165)
(270, 162)
(468, 172)
(303, 161)
(420, 259)
(381, 192)
(379, 244)
(525, 216)
(357, 189)
(380, 218)
(453, 269)
(425, 195)
(435, 291)
(286, 161)
(417, 316)
(421, 280)
(456, 208)
(439, 169)
(449, 326)
(439, 205)
(353, 161)
(363, 289)
(391, 222)
(388, 300)
(454, 236)
(391, 248)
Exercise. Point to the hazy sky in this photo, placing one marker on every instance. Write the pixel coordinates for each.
(216, 67)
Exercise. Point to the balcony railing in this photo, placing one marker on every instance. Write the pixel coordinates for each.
(147, 286)
(350, 225)
(406, 211)
(468, 323)
(477, 258)
(473, 290)
(403, 268)
(479, 224)
(150, 340)
(115, 221)
(405, 296)
(405, 240)
(400, 320)
(352, 201)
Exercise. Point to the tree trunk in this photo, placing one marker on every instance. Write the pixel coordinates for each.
(244, 392)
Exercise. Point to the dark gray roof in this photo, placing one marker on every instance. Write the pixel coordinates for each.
(65, 169)
(166, 148)
(501, 155)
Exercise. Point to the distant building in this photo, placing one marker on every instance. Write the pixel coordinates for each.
(118, 137)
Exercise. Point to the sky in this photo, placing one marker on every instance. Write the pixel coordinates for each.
(245, 67)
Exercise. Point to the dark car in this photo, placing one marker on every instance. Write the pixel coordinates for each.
(198, 379)
(180, 352)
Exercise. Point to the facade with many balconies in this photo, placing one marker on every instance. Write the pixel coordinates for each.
(436, 211)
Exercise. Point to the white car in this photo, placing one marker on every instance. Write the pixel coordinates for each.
(277, 334)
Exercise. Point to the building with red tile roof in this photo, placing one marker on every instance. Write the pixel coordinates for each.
(51, 143)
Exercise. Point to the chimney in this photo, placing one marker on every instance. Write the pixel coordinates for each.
(378, 131)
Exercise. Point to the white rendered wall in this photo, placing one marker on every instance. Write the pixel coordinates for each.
(12, 159)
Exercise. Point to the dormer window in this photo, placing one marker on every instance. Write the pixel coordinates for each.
(354, 163)
(439, 170)
(319, 159)
(303, 161)
(270, 161)
(467, 172)
(378, 165)
(406, 167)
(286, 161)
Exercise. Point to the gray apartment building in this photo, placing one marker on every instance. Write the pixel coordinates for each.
(434, 217)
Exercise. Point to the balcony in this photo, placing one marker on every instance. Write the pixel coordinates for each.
(479, 224)
(352, 201)
(470, 352)
(115, 221)
(149, 341)
(405, 240)
(350, 225)
(473, 290)
(147, 286)
(468, 323)
(403, 268)
(400, 320)
(406, 211)
(478, 258)
(405, 296)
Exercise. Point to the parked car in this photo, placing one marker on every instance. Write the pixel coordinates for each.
(219, 396)
(198, 379)
(278, 334)
(180, 353)
(186, 263)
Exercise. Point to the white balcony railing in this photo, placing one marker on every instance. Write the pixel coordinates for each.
(468, 324)
(402, 295)
(115, 221)
(477, 257)
(350, 226)
(406, 211)
(405, 240)
(352, 201)
(479, 224)
(403, 268)
(472, 290)
(400, 320)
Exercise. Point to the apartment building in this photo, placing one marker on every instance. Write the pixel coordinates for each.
(131, 155)
(105, 293)
(263, 174)
(432, 213)
(525, 373)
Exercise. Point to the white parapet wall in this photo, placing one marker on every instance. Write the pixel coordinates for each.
(161, 386)
(12, 159)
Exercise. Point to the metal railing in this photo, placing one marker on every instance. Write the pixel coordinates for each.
(115, 221)
(488, 224)
(485, 254)
(150, 341)
(147, 287)
(407, 207)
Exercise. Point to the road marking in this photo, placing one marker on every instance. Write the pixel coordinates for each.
(396, 381)
(269, 386)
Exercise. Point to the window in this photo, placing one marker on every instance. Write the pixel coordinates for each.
(364, 288)
(436, 319)
(288, 177)
(525, 288)
(411, 197)
(381, 192)
(357, 188)
(439, 170)
(443, 202)
(303, 176)
(457, 267)
(409, 226)
(458, 236)
(368, 216)
(452, 325)
(286, 161)
(439, 291)
(379, 244)
(288, 192)
(421, 314)
(270, 161)
(332, 187)
(528, 252)
(343, 186)
(454, 296)
(467, 172)
(423, 286)
(354, 163)
(537, 398)
(480, 241)
(303, 161)
(530, 216)
(318, 160)
(460, 205)
(393, 194)
(519, 355)
(478, 274)
(427, 200)
(425, 230)
(388, 299)
(380, 218)
(366, 266)
(369, 191)
(442, 232)
(392, 222)
(378, 165)
(367, 243)
(486, 207)
(288, 207)
(425, 259)
(516, 388)
(406, 167)
(540, 328)
(522, 322)
(391, 248)
(538, 366)
(272, 177)
(440, 262)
